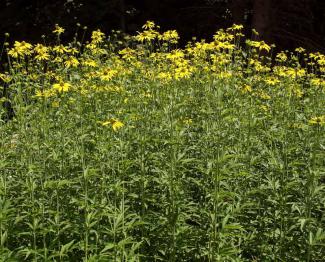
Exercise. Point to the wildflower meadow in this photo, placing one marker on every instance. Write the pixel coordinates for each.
(132, 148)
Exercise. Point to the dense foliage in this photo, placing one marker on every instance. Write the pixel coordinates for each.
(129, 149)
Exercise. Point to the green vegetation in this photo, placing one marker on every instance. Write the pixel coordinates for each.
(134, 150)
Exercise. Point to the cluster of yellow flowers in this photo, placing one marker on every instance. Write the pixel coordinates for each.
(150, 34)
(20, 49)
(154, 56)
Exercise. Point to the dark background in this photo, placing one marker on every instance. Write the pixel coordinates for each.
(287, 23)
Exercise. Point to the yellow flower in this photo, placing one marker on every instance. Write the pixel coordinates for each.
(38, 93)
(246, 89)
(222, 36)
(116, 124)
(301, 72)
(287, 72)
(71, 62)
(107, 74)
(258, 66)
(298, 92)
(97, 37)
(187, 121)
(281, 57)
(148, 25)
(300, 50)
(170, 36)
(42, 57)
(225, 45)
(265, 108)
(220, 59)
(260, 45)
(91, 46)
(271, 81)
(263, 95)
(41, 52)
(175, 54)
(14, 52)
(164, 76)
(128, 54)
(58, 30)
(317, 120)
(55, 104)
(321, 60)
(237, 27)
(224, 75)
(5, 77)
(73, 51)
(62, 87)
(264, 46)
(60, 49)
(147, 35)
(90, 63)
(317, 82)
(182, 72)
(23, 45)
(48, 93)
